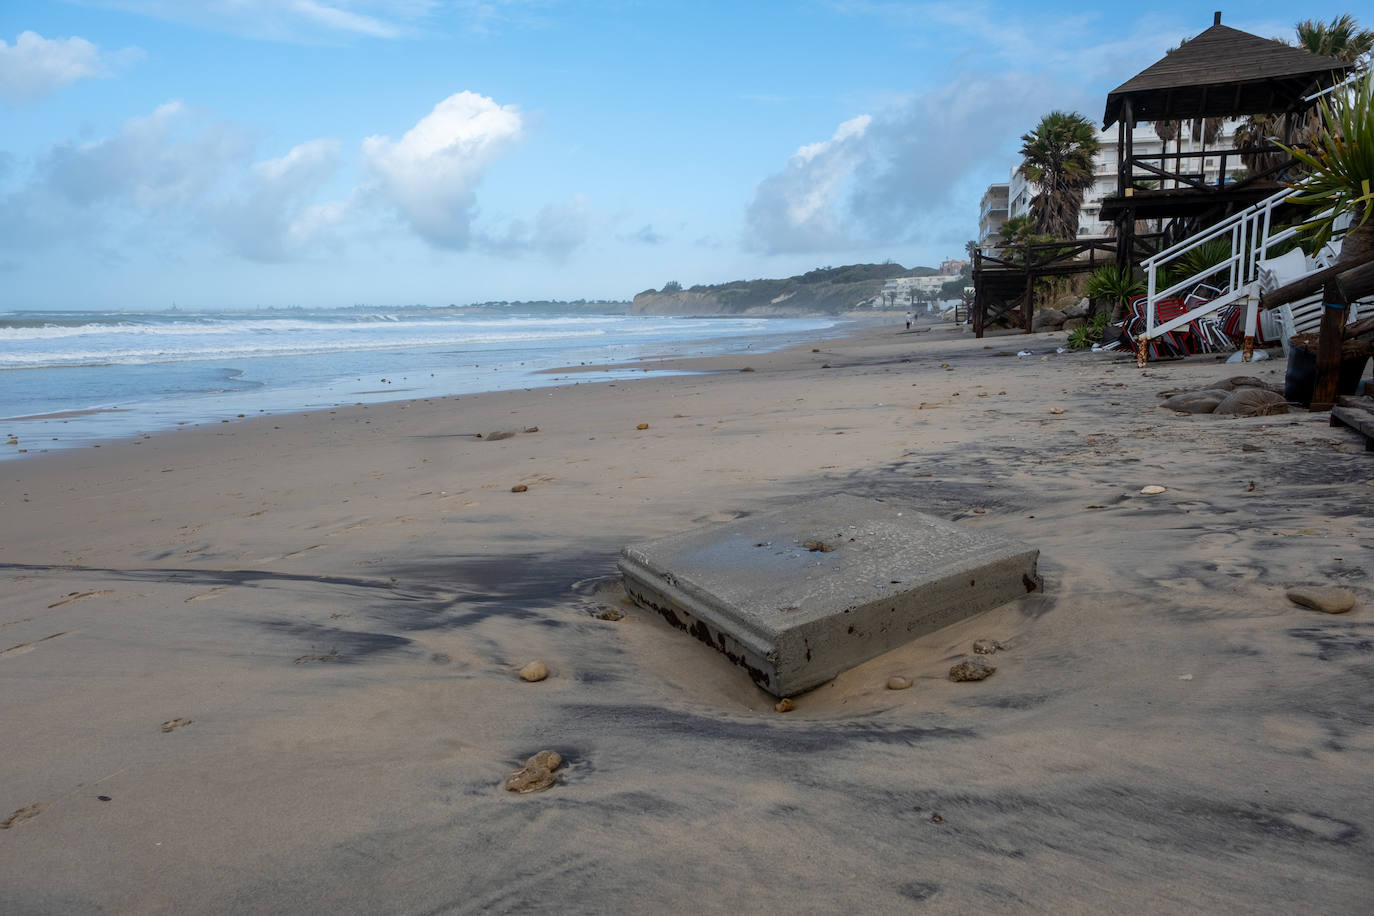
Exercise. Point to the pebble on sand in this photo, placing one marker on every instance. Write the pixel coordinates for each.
(534, 671)
(898, 682)
(536, 775)
(549, 760)
(1153, 489)
(986, 646)
(971, 669)
(642, 426)
(610, 613)
(519, 488)
(785, 705)
(1327, 598)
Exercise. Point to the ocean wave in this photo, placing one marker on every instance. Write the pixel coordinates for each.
(188, 350)
(48, 329)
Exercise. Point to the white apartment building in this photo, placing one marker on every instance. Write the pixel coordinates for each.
(992, 213)
(1145, 141)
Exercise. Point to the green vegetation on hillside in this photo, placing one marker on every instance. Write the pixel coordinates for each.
(825, 289)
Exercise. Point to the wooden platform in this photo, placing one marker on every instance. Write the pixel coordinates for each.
(1358, 414)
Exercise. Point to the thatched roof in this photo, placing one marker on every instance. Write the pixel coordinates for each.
(1224, 72)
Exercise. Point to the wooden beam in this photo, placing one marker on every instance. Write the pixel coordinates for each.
(1336, 306)
(1354, 280)
(1176, 176)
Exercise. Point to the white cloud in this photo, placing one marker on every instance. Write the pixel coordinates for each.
(644, 235)
(800, 208)
(157, 163)
(35, 67)
(288, 20)
(912, 172)
(152, 178)
(272, 216)
(557, 230)
(431, 173)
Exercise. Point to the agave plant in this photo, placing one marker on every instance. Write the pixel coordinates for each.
(1211, 253)
(1341, 167)
(1115, 284)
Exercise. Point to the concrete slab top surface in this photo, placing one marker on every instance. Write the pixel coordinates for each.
(787, 577)
(818, 558)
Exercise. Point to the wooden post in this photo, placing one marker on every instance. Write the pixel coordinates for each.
(1335, 308)
(1125, 219)
(1030, 294)
(978, 301)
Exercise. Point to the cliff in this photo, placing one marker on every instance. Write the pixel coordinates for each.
(829, 291)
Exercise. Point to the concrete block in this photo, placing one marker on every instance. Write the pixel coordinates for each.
(799, 595)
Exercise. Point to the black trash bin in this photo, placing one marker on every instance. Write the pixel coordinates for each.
(1301, 378)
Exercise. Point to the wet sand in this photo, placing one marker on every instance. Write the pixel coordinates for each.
(271, 665)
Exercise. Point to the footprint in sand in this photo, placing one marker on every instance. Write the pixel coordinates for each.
(287, 556)
(28, 646)
(77, 596)
(21, 815)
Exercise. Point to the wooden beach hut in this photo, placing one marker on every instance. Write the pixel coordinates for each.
(1222, 73)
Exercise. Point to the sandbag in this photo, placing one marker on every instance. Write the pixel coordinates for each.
(1252, 402)
(1203, 401)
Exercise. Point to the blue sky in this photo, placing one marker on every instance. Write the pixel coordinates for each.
(238, 153)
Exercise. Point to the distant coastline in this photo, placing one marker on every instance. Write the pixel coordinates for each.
(824, 291)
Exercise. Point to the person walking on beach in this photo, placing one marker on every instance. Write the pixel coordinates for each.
(909, 319)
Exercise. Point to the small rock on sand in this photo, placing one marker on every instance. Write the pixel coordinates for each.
(1326, 598)
(986, 646)
(785, 705)
(536, 775)
(610, 613)
(519, 488)
(642, 426)
(549, 760)
(971, 669)
(1153, 489)
(898, 682)
(534, 671)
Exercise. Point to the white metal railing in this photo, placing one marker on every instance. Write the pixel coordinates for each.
(1250, 235)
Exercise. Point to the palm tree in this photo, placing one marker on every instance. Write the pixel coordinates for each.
(1341, 169)
(1341, 38)
(1016, 230)
(1058, 158)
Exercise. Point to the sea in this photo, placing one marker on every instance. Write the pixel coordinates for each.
(72, 379)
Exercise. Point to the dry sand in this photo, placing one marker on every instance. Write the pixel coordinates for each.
(329, 612)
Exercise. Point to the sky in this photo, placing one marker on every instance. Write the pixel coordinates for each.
(271, 153)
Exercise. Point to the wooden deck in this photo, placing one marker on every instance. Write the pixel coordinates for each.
(1357, 413)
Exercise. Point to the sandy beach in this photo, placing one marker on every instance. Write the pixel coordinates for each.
(270, 665)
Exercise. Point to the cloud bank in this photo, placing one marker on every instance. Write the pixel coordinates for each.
(175, 173)
(901, 175)
(35, 67)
